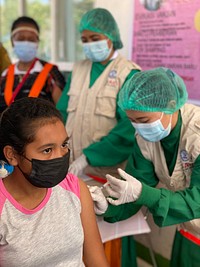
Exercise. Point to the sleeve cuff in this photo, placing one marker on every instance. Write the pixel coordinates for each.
(149, 196)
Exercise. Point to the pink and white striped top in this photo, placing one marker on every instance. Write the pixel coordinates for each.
(49, 235)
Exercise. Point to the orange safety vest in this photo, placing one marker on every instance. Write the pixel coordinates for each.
(36, 88)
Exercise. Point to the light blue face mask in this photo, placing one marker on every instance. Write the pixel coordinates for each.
(97, 51)
(154, 131)
(26, 51)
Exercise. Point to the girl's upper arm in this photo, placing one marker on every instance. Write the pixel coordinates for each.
(93, 252)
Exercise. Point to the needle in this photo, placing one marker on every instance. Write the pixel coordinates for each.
(104, 185)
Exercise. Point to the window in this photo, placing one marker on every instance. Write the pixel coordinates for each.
(58, 21)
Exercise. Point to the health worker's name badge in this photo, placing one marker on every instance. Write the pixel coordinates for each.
(112, 79)
(187, 162)
(184, 155)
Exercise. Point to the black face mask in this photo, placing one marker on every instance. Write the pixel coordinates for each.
(48, 173)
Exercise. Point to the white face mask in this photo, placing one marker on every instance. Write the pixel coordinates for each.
(154, 131)
(97, 51)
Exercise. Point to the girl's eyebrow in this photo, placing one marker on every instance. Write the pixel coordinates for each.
(52, 144)
(46, 145)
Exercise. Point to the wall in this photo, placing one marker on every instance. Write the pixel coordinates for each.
(123, 14)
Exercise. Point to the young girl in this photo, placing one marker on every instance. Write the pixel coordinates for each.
(46, 213)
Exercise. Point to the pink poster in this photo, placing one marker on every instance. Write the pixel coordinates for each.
(167, 33)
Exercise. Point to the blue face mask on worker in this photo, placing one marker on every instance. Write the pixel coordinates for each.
(26, 51)
(47, 173)
(97, 51)
(154, 131)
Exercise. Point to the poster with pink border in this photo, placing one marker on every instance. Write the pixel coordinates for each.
(167, 33)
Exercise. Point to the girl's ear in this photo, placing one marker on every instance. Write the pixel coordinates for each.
(10, 155)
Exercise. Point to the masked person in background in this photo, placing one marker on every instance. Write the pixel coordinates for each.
(166, 149)
(4, 59)
(100, 134)
(46, 213)
(98, 129)
(30, 76)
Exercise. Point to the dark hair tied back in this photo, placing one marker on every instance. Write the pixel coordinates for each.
(25, 20)
(19, 122)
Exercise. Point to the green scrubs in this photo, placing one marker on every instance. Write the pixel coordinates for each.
(167, 207)
(110, 150)
(117, 145)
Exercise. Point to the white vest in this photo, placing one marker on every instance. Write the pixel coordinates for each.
(92, 111)
(188, 151)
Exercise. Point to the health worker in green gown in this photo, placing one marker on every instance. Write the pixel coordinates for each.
(101, 135)
(166, 149)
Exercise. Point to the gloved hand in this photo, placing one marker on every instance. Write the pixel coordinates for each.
(127, 190)
(100, 201)
(78, 165)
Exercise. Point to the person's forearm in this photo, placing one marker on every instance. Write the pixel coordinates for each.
(114, 148)
(121, 212)
(169, 208)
